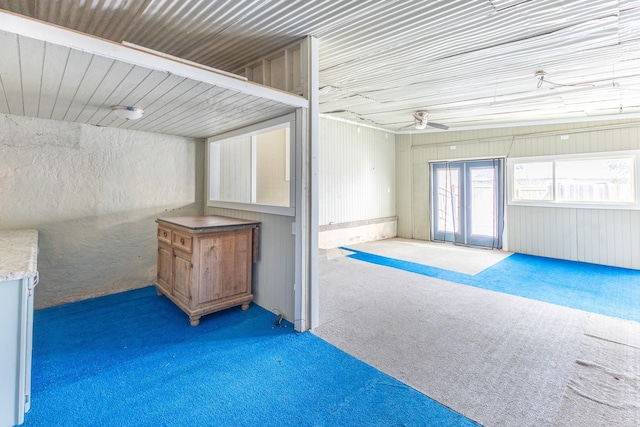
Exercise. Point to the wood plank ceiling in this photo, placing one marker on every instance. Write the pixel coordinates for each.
(50, 81)
(467, 62)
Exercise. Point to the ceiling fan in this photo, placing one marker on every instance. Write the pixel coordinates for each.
(421, 122)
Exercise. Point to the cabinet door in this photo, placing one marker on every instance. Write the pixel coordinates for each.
(225, 265)
(165, 260)
(182, 276)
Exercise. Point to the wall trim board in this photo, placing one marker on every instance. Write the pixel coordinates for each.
(339, 226)
(337, 235)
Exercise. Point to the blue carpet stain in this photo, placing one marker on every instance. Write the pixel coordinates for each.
(131, 359)
(594, 288)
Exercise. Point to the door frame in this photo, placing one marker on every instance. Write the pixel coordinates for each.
(463, 236)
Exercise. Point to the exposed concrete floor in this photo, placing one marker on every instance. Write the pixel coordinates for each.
(442, 255)
(498, 359)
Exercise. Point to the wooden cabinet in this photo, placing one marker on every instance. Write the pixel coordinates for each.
(205, 262)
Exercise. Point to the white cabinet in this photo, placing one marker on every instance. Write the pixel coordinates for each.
(18, 278)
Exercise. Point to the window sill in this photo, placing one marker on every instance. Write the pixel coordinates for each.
(252, 207)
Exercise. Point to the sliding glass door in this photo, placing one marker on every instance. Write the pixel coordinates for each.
(467, 202)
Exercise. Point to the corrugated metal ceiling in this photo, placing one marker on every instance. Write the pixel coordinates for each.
(467, 62)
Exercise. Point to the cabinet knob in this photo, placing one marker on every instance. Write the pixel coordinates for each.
(182, 240)
(165, 234)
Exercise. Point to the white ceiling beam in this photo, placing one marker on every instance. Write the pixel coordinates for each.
(38, 30)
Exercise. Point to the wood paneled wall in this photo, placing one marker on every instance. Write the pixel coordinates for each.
(357, 172)
(235, 170)
(602, 236)
(274, 274)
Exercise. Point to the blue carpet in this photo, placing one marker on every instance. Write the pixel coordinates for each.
(590, 287)
(131, 359)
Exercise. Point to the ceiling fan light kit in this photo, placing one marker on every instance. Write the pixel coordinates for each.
(420, 119)
(421, 122)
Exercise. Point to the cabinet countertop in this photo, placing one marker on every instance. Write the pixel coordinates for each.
(18, 254)
(209, 221)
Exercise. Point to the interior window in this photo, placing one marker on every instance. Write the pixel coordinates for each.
(250, 169)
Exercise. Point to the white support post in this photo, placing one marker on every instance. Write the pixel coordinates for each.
(314, 142)
(299, 226)
(307, 299)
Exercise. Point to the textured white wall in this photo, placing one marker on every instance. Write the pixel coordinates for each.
(592, 235)
(94, 194)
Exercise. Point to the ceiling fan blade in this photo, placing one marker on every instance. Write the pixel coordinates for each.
(438, 125)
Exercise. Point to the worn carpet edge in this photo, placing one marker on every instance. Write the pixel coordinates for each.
(611, 291)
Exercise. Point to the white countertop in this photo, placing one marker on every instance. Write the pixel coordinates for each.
(18, 254)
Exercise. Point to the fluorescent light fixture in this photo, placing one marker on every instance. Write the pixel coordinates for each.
(129, 113)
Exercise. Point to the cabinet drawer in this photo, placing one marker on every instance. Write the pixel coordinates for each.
(164, 235)
(181, 241)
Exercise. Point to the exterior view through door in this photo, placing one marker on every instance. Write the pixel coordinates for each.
(467, 203)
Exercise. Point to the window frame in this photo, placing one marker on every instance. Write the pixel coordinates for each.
(632, 154)
(249, 131)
